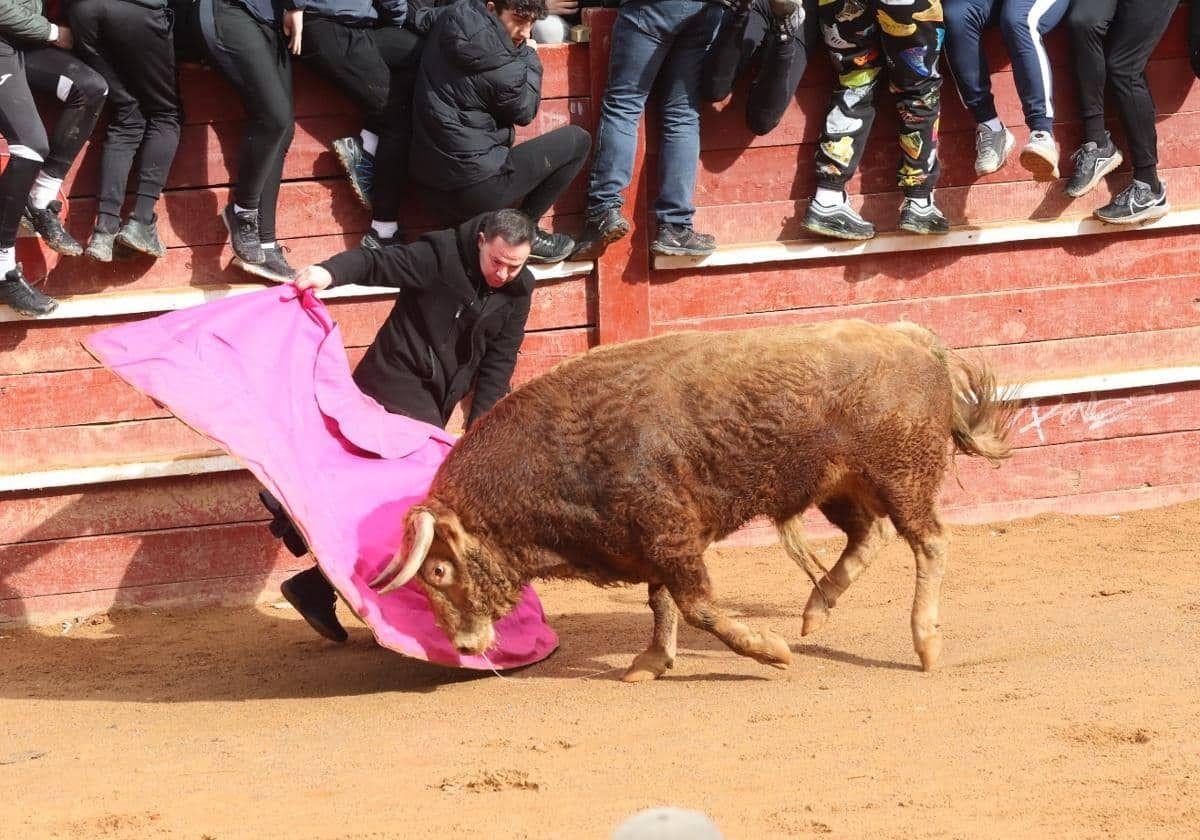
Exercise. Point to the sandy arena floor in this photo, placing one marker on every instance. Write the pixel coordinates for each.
(1067, 704)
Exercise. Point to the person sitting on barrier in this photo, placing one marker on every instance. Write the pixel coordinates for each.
(1111, 41)
(34, 56)
(863, 36)
(468, 287)
(479, 78)
(777, 33)
(129, 43)
(372, 59)
(1023, 24)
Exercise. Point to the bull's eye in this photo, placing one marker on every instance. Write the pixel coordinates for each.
(440, 573)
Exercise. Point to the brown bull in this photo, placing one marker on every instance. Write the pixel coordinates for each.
(624, 464)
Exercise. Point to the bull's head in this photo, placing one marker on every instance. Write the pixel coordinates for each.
(468, 588)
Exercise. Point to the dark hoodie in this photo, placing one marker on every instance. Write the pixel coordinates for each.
(474, 85)
(448, 329)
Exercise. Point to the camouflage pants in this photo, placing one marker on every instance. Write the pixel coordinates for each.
(862, 36)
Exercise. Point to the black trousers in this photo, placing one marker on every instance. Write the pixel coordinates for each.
(375, 68)
(744, 38)
(1112, 40)
(253, 56)
(131, 46)
(539, 172)
(46, 70)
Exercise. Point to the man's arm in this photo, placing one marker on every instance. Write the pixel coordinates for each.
(403, 267)
(500, 357)
(518, 89)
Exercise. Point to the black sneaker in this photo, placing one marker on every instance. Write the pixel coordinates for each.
(682, 241)
(922, 217)
(243, 234)
(274, 266)
(1092, 163)
(25, 299)
(316, 601)
(359, 167)
(372, 241)
(1136, 203)
(841, 221)
(550, 247)
(47, 225)
(100, 246)
(598, 233)
(142, 238)
(787, 18)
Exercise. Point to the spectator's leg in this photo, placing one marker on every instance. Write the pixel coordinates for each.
(1088, 24)
(548, 163)
(401, 52)
(784, 60)
(1023, 24)
(741, 32)
(965, 22)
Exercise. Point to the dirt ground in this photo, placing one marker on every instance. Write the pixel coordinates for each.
(1066, 705)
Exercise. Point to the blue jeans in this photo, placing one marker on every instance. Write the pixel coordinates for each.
(650, 36)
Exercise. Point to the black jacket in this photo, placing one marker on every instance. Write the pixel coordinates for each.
(447, 329)
(473, 86)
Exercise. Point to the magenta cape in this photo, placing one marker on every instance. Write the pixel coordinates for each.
(265, 375)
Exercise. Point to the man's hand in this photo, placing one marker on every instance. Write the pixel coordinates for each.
(65, 39)
(313, 277)
(562, 7)
(293, 28)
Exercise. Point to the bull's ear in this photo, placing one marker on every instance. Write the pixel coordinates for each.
(450, 531)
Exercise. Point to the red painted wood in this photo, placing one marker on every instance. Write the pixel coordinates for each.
(1100, 416)
(1075, 356)
(108, 443)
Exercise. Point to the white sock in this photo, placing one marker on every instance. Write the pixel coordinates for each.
(921, 202)
(237, 208)
(385, 230)
(830, 198)
(270, 245)
(994, 124)
(45, 190)
(370, 141)
(8, 259)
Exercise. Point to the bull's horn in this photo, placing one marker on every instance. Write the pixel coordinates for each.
(420, 547)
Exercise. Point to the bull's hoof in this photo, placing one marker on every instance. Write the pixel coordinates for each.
(773, 651)
(929, 649)
(816, 613)
(648, 665)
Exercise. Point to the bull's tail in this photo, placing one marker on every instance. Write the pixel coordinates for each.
(983, 414)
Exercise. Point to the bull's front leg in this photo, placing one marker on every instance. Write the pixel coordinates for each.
(654, 661)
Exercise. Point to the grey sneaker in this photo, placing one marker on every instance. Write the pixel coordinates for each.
(274, 266)
(841, 221)
(922, 217)
(992, 149)
(1136, 203)
(1040, 156)
(1092, 162)
(142, 238)
(358, 166)
(100, 246)
(787, 18)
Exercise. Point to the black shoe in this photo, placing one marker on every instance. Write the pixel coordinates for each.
(281, 525)
(142, 237)
(316, 601)
(682, 241)
(372, 241)
(1136, 203)
(550, 247)
(841, 221)
(100, 246)
(274, 266)
(243, 234)
(922, 217)
(598, 233)
(1092, 163)
(25, 299)
(49, 227)
(359, 167)
(787, 18)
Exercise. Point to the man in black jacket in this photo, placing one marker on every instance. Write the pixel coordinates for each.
(458, 321)
(479, 78)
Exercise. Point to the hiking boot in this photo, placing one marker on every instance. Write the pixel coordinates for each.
(922, 216)
(25, 299)
(46, 224)
(142, 237)
(359, 167)
(100, 246)
(372, 241)
(1092, 163)
(599, 232)
(787, 17)
(274, 266)
(1136, 203)
(316, 601)
(840, 221)
(682, 241)
(1040, 156)
(550, 247)
(992, 149)
(243, 234)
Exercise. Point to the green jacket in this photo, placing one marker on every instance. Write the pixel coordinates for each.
(23, 22)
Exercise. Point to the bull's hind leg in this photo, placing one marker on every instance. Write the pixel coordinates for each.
(916, 519)
(654, 661)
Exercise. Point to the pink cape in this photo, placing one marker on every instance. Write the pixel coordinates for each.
(265, 375)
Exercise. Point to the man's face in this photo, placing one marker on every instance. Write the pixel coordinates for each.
(499, 261)
(517, 27)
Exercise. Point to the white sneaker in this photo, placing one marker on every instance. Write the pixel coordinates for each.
(1040, 156)
(992, 149)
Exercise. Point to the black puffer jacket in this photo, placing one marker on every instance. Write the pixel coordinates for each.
(474, 85)
(447, 330)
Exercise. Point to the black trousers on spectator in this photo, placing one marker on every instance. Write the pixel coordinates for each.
(743, 38)
(375, 68)
(131, 46)
(253, 56)
(47, 70)
(1112, 40)
(539, 172)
